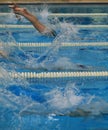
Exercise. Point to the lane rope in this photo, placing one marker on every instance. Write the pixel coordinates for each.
(30, 26)
(59, 74)
(66, 14)
(63, 44)
(47, 44)
(77, 14)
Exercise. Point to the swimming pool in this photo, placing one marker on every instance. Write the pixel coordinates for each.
(55, 83)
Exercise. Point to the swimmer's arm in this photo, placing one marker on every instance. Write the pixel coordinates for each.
(22, 11)
(36, 23)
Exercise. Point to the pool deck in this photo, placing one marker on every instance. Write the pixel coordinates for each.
(53, 1)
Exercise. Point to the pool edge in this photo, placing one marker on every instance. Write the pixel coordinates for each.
(55, 2)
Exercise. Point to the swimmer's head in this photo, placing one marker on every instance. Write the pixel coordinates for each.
(49, 32)
(53, 33)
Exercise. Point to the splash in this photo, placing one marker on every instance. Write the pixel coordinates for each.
(61, 101)
(50, 58)
(40, 100)
(44, 14)
(8, 19)
(6, 78)
(58, 101)
(52, 100)
(8, 49)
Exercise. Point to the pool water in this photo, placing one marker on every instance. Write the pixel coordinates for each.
(54, 103)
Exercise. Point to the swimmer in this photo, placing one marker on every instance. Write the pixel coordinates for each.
(36, 23)
(3, 54)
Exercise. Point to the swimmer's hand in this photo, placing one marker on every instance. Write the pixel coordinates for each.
(17, 9)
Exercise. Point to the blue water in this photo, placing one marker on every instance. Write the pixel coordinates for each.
(55, 103)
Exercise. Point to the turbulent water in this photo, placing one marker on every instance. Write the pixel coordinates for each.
(19, 98)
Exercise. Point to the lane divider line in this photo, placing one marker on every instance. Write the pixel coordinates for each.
(15, 26)
(66, 14)
(30, 26)
(47, 44)
(77, 14)
(63, 44)
(59, 74)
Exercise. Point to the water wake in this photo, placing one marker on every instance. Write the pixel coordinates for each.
(69, 101)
